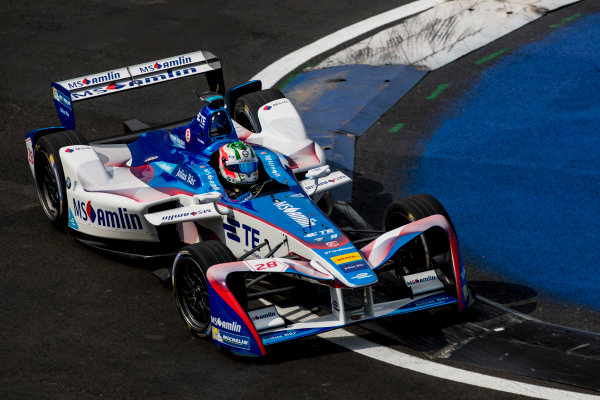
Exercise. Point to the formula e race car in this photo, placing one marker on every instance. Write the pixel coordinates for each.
(272, 259)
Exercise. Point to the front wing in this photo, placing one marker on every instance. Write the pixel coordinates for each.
(248, 332)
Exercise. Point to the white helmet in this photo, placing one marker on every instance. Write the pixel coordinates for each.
(238, 164)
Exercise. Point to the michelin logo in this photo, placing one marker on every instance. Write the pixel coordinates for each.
(239, 341)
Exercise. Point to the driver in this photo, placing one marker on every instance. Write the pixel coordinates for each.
(238, 168)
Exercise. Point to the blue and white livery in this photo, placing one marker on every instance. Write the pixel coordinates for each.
(242, 258)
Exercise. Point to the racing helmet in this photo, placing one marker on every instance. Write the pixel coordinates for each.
(238, 164)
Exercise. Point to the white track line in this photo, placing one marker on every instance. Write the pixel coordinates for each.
(279, 69)
(367, 348)
(475, 35)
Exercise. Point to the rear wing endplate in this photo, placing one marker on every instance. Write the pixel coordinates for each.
(66, 92)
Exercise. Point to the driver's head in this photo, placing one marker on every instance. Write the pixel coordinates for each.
(238, 164)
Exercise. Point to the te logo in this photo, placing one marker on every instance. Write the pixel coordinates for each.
(251, 236)
(201, 120)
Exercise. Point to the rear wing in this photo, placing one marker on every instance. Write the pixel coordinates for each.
(66, 92)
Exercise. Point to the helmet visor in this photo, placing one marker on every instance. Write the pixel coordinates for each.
(247, 167)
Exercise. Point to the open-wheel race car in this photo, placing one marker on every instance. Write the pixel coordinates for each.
(240, 198)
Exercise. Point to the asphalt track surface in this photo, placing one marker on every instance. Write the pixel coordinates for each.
(76, 324)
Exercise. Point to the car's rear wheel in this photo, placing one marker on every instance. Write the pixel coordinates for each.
(49, 174)
(190, 285)
(417, 255)
(246, 107)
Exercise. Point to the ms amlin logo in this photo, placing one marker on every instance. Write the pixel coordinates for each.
(119, 219)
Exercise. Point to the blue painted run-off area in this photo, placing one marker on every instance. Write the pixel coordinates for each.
(517, 163)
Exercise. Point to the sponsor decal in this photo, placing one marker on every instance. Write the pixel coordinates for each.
(147, 160)
(265, 318)
(427, 302)
(211, 178)
(188, 135)
(165, 166)
(64, 112)
(62, 99)
(277, 103)
(229, 326)
(362, 275)
(177, 141)
(239, 341)
(320, 233)
(279, 337)
(272, 166)
(72, 222)
(74, 149)
(165, 64)
(187, 177)
(129, 84)
(270, 314)
(346, 258)
(116, 219)
(110, 76)
(421, 280)
(325, 182)
(354, 266)
(201, 120)
(216, 334)
(171, 217)
(295, 214)
(345, 248)
(332, 244)
(251, 235)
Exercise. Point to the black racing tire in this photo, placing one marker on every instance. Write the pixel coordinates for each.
(416, 256)
(49, 174)
(190, 285)
(246, 107)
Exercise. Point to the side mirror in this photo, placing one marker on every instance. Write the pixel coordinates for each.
(211, 197)
(315, 174)
(319, 172)
(205, 198)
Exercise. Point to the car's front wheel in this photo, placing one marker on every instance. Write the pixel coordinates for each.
(190, 285)
(417, 255)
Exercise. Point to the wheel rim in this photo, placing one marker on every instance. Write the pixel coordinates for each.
(48, 185)
(192, 293)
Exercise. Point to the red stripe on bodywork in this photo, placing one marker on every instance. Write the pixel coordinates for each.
(217, 278)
